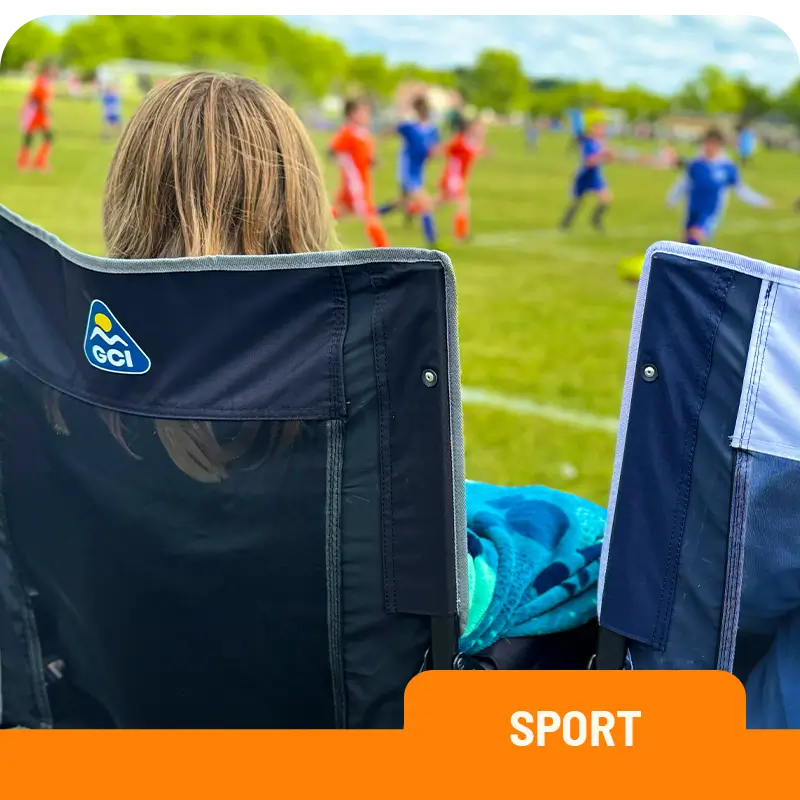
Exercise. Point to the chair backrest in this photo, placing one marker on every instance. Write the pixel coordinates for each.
(701, 564)
(297, 568)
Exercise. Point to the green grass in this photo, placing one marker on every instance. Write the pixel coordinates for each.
(543, 316)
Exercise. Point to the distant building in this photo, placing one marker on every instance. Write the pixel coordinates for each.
(131, 75)
(689, 126)
(441, 98)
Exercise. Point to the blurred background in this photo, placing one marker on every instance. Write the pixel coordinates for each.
(544, 315)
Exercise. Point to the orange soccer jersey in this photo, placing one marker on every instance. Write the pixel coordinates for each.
(354, 153)
(35, 115)
(460, 152)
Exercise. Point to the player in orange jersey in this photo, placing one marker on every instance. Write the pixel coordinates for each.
(354, 152)
(460, 153)
(35, 119)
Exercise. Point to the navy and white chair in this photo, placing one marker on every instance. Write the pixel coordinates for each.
(701, 564)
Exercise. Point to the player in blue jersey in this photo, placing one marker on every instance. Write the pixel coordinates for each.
(577, 127)
(746, 144)
(705, 184)
(112, 109)
(420, 139)
(531, 131)
(590, 178)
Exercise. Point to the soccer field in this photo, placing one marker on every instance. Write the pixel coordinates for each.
(544, 320)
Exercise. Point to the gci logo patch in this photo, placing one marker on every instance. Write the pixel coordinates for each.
(109, 347)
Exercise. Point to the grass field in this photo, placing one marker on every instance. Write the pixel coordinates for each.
(544, 320)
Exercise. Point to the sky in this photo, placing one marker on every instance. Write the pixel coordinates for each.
(659, 52)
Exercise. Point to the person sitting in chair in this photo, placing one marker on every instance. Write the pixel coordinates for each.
(220, 165)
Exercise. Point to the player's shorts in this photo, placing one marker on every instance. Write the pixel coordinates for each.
(411, 181)
(357, 200)
(703, 220)
(452, 186)
(588, 180)
(31, 123)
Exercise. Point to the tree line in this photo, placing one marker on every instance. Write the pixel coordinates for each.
(309, 66)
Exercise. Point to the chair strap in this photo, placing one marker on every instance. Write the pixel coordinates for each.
(444, 641)
(612, 650)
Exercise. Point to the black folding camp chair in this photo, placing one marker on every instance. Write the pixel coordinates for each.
(306, 585)
(701, 563)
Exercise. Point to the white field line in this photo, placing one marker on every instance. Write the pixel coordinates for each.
(520, 238)
(523, 406)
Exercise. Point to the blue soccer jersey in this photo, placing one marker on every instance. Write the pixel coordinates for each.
(112, 106)
(419, 139)
(575, 121)
(590, 175)
(747, 143)
(705, 185)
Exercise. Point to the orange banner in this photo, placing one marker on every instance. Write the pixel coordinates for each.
(486, 734)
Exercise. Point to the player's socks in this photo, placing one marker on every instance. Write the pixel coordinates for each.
(569, 215)
(42, 155)
(23, 157)
(461, 225)
(429, 229)
(597, 216)
(377, 235)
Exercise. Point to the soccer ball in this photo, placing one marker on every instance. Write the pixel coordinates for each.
(630, 269)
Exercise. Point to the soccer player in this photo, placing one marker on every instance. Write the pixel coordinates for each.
(353, 149)
(589, 178)
(112, 109)
(576, 126)
(460, 152)
(746, 144)
(705, 184)
(420, 140)
(35, 119)
(531, 131)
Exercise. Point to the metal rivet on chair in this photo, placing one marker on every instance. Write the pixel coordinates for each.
(649, 372)
(429, 378)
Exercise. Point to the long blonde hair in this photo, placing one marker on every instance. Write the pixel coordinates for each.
(211, 165)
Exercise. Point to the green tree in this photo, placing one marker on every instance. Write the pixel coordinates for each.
(497, 81)
(32, 42)
(756, 100)
(711, 91)
(370, 73)
(88, 43)
(639, 104)
(320, 63)
(789, 103)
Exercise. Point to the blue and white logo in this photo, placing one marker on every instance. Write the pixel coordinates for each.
(109, 347)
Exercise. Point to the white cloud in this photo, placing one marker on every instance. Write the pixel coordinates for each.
(655, 50)
(658, 51)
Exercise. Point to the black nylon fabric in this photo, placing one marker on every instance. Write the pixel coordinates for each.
(184, 322)
(175, 604)
(295, 593)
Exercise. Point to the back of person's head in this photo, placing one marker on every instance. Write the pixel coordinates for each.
(358, 111)
(421, 107)
(714, 135)
(460, 123)
(214, 165)
(350, 107)
(211, 165)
